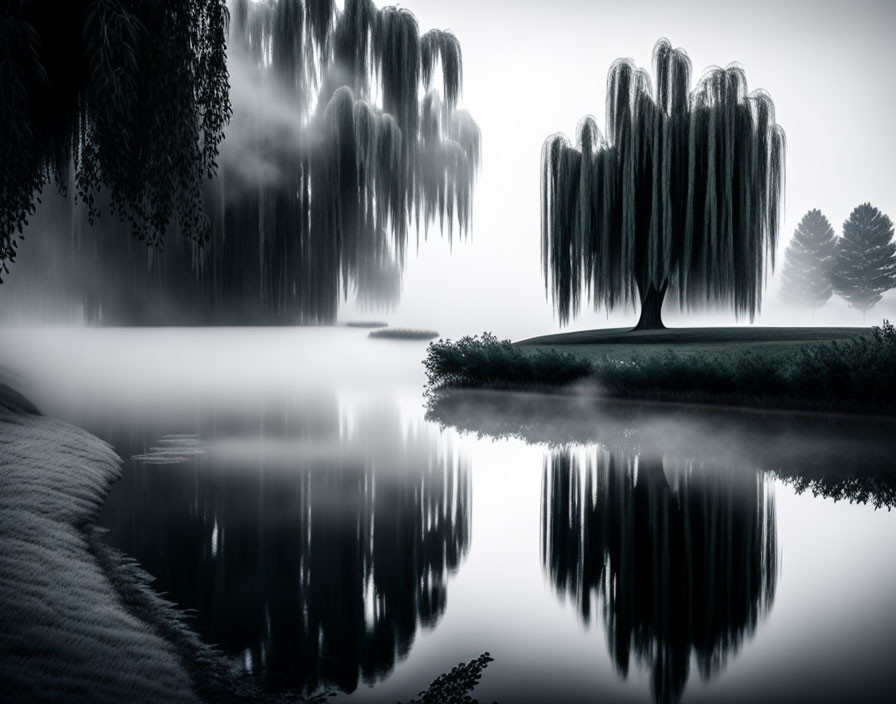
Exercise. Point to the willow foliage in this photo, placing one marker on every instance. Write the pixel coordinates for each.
(382, 150)
(437, 45)
(684, 190)
(133, 95)
(356, 145)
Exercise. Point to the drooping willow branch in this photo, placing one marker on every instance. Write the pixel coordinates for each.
(382, 148)
(133, 94)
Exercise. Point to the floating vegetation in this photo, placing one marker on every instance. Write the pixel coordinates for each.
(366, 324)
(404, 334)
(683, 190)
(172, 449)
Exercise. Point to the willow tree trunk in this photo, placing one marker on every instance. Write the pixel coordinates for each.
(652, 308)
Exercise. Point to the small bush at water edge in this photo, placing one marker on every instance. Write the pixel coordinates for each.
(487, 361)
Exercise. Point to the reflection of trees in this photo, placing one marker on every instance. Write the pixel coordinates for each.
(682, 560)
(839, 457)
(317, 565)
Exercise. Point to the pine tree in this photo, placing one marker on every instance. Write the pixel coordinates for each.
(809, 261)
(866, 258)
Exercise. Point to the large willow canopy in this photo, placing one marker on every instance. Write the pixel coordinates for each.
(382, 150)
(345, 140)
(122, 101)
(683, 190)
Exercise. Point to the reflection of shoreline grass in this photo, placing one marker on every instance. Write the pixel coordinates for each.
(366, 324)
(856, 374)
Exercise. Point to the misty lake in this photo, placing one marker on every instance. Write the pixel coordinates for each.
(330, 531)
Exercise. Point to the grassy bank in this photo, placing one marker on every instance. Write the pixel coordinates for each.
(66, 635)
(80, 621)
(827, 369)
(624, 343)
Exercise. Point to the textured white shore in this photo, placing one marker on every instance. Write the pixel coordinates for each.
(65, 634)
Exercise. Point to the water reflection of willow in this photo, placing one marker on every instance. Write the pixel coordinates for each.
(316, 565)
(682, 558)
(838, 457)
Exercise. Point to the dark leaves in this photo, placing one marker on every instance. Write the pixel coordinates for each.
(686, 190)
(143, 119)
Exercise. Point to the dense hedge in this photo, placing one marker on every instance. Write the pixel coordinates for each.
(488, 361)
(858, 374)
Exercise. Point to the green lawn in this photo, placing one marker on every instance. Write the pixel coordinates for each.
(624, 343)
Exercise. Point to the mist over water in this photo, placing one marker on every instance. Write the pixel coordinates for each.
(331, 531)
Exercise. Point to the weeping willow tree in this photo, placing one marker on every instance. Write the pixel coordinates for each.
(345, 140)
(681, 558)
(382, 150)
(123, 102)
(684, 190)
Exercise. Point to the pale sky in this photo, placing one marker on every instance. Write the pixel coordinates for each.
(534, 68)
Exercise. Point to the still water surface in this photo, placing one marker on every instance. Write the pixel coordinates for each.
(333, 533)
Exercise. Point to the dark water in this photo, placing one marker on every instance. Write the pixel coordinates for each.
(332, 533)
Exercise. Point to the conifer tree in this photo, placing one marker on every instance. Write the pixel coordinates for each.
(866, 258)
(809, 262)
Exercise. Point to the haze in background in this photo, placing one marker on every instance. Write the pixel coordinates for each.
(535, 68)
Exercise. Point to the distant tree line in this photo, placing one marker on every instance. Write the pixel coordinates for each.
(859, 266)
